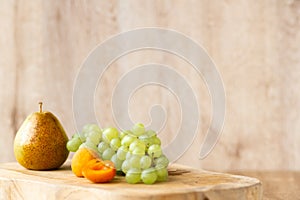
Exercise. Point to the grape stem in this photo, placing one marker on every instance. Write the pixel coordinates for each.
(152, 160)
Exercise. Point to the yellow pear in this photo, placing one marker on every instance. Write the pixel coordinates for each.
(40, 143)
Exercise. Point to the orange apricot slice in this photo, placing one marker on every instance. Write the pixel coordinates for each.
(81, 157)
(99, 171)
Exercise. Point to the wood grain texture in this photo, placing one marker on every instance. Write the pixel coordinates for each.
(277, 184)
(17, 183)
(254, 44)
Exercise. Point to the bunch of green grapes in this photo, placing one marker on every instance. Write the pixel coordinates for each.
(136, 152)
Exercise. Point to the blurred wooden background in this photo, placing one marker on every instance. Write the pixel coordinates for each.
(256, 46)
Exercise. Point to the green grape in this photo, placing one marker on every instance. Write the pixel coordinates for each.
(138, 151)
(143, 137)
(110, 133)
(145, 162)
(162, 173)
(162, 160)
(146, 140)
(85, 129)
(128, 155)
(115, 143)
(94, 127)
(127, 140)
(73, 144)
(107, 154)
(76, 135)
(154, 151)
(102, 146)
(82, 137)
(122, 134)
(91, 145)
(90, 127)
(138, 129)
(149, 175)
(121, 153)
(150, 133)
(156, 140)
(125, 166)
(133, 176)
(134, 161)
(130, 133)
(118, 163)
(94, 137)
(137, 144)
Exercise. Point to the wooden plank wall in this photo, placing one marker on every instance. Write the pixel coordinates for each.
(255, 44)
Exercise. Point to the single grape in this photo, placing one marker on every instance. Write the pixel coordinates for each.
(133, 176)
(73, 144)
(145, 162)
(162, 160)
(75, 135)
(149, 175)
(130, 133)
(82, 137)
(146, 140)
(138, 151)
(134, 161)
(85, 129)
(128, 155)
(118, 163)
(121, 153)
(125, 166)
(162, 173)
(115, 143)
(127, 140)
(138, 129)
(143, 137)
(137, 144)
(150, 133)
(107, 154)
(96, 128)
(90, 127)
(102, 146)
(155, 151)
(94, 137)
(122, 134)
(156, 140)
(110, 133)
(89, 144)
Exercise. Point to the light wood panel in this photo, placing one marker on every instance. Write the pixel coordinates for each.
(254, 44)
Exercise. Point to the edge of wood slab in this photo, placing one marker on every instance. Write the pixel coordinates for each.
(184, 183)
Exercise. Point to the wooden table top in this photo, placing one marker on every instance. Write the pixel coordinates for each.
(277, 184)
(184, 182)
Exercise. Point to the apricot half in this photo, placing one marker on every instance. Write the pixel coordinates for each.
(99, 171)
(81, 157)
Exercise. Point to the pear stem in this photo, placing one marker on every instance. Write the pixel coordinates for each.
(41, 106)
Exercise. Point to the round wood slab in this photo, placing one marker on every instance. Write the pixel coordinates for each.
(184, 183)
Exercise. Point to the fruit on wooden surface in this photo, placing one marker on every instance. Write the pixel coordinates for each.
(99, 171)
(136, 153)
(40, 143)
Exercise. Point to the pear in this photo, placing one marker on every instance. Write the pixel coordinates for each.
(40, 143)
